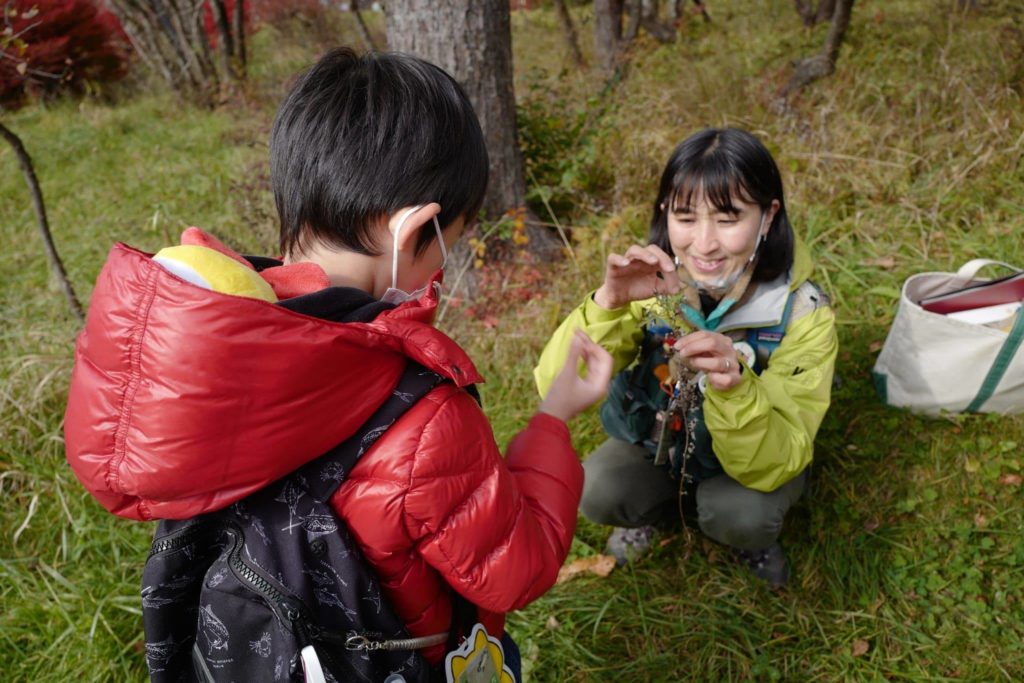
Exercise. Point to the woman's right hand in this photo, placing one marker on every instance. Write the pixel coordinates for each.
(638, 274)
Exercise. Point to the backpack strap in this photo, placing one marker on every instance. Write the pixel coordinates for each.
(324, 475)
(765, 340)
(805, 299)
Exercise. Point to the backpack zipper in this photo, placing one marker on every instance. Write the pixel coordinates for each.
(180, 538)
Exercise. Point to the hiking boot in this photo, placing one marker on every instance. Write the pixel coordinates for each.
(769, 565)
(626, 545)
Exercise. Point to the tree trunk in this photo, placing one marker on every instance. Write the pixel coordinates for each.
(472, 40)
(634, 9)
(364, 30)
(227, 44)
(823, 64)
(569, 31)
(826, 8)
(238, 21)
(812, 15)
(169, 37)
(608, 33)
(56, 265)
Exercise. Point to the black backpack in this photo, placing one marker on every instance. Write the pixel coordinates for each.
(236, 595)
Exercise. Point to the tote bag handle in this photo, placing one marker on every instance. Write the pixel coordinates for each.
(969, 270)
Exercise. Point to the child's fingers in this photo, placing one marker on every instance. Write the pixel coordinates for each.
(599, 364)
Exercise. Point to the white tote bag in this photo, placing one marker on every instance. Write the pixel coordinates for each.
(932, 363)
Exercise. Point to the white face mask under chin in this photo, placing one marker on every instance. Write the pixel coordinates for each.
(394, 295)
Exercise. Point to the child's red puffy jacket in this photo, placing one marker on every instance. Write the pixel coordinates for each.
(183, 401)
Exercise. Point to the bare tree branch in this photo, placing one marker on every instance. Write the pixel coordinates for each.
(569, 31)
(808, 70)
(56, 266)
(364, 30)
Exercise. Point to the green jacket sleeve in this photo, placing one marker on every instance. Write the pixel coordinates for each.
(618, 331)
(763, 429)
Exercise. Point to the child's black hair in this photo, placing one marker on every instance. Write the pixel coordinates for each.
(362, 136)
(720, 163)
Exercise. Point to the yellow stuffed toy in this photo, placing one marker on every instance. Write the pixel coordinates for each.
(205, 267)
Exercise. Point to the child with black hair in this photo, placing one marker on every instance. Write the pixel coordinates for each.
(185, 400)
(725, 352)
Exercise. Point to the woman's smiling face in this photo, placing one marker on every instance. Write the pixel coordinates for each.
(713, 244)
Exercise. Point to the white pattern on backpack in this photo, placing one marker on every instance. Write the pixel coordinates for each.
(217, 578)
(319, 525)
(372, 436)
(373, 597)
(158, 654)
(290, 496)
(261, 646)
(213, 629)
(149, 599)
(332, 472)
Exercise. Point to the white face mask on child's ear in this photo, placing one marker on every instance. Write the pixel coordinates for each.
(394, 295)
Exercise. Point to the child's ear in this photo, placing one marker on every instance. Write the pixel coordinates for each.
(408, 221)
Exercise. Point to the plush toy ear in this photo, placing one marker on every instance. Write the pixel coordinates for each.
(195, 237)
(212, 269)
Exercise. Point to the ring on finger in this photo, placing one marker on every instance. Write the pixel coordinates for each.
(728, 364)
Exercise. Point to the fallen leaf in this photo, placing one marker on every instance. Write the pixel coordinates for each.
(881, 262)
(971, 465)
(875, 346)
(872, 524)
(860, 648)
(599, 565)
(552, 623)
(980, 520)
(1011, 480)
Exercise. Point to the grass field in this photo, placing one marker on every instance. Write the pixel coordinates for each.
(908, 546)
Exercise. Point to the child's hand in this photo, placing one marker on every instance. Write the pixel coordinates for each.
(571, 394)
(638, 274)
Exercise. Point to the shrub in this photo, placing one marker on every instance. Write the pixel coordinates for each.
(46, 47)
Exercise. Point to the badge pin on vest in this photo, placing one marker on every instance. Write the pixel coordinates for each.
(480, 659)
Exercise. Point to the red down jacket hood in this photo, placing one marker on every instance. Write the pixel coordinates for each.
(184, 400)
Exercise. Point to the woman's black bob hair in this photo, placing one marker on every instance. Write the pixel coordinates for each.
(360, 137)
(722, 163)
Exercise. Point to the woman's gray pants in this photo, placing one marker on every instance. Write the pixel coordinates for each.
(622, 487)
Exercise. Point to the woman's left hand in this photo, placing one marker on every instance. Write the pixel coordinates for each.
(713, 354)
